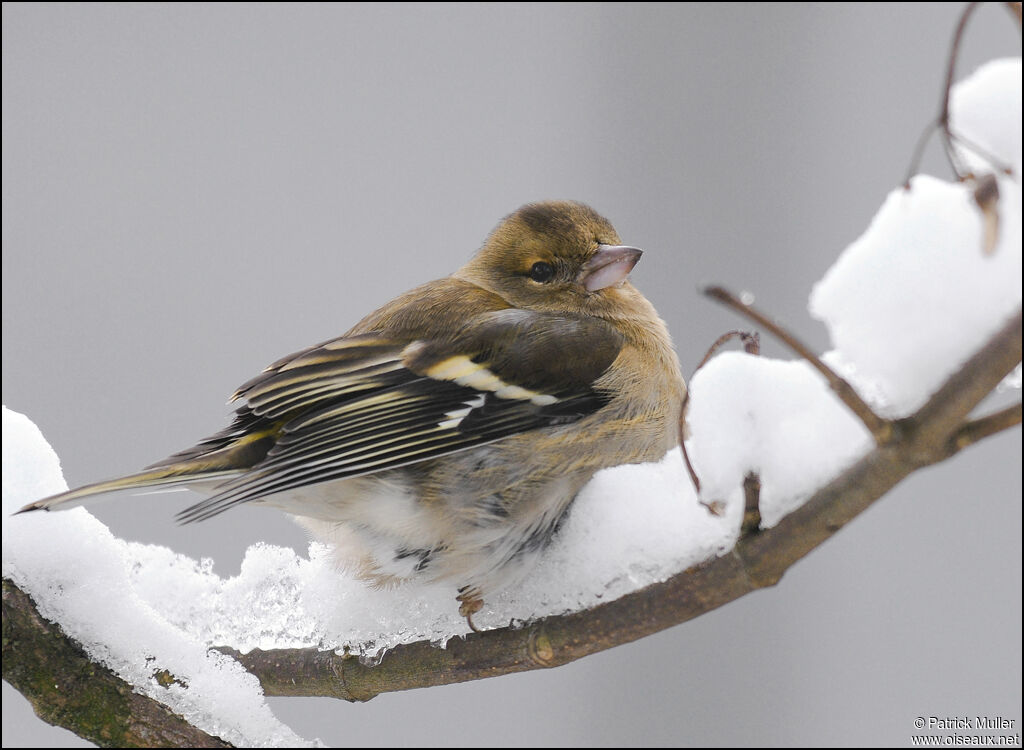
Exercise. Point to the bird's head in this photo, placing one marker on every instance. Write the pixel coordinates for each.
(556, 256)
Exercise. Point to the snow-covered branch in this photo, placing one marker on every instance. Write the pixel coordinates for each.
(69, 689)
(759, 559)
(924, 314)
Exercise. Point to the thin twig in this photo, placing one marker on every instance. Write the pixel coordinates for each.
(998, 164)
(1014, 9)
(751, 345)
(915, 159)
(983, 427)
(751, 504)
(880, 428)
(686, 455)
(943, 122)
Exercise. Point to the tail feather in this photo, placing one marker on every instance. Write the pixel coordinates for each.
(226, 455)
(164, 477)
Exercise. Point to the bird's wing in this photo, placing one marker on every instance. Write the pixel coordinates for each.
(366, 403)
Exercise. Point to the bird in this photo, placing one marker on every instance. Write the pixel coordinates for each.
(446, 435)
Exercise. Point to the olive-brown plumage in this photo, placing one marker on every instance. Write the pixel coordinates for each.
(446, 434)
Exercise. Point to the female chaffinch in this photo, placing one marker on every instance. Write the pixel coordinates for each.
(446, 434)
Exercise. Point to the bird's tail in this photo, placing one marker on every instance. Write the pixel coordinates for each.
(223, 456)
(159, 477)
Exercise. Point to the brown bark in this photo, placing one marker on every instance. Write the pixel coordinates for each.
(67, 688)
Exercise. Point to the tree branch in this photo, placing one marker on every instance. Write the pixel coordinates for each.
(67, 688)
(983, 427)
(758, 560)
(941, 123)
(1014, 9)
(881, 429)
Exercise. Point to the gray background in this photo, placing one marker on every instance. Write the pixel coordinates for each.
(190, 192)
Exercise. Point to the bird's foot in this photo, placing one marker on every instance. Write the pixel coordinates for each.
(471, 603)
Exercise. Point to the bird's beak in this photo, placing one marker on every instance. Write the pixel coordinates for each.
(609, 266)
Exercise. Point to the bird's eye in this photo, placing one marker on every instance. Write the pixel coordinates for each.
(542, 272)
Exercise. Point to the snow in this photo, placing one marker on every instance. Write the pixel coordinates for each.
(78, 574)
(905, 305)
(755, 414)
(282, 600)
(909, 301)
(985, 110)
